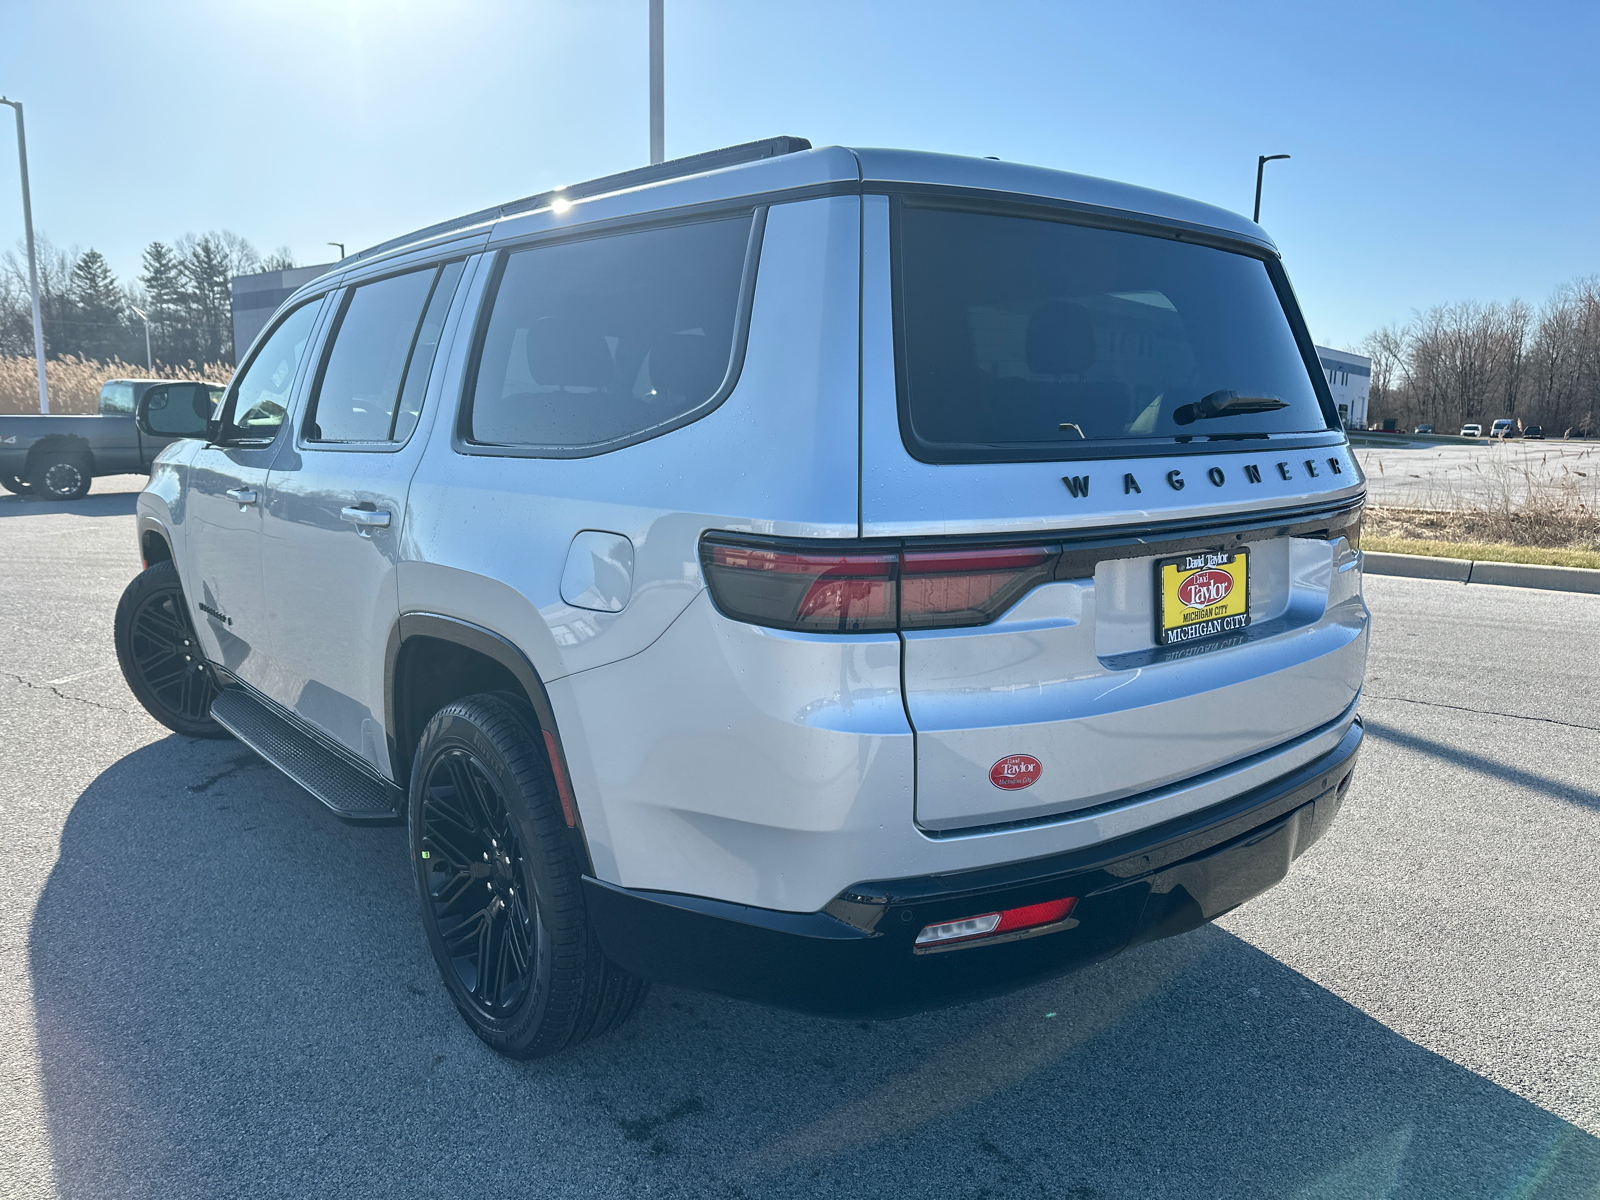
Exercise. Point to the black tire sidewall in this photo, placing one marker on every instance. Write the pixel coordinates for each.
(15, 485)
(156, 578)
(505, 743)
(36, 481)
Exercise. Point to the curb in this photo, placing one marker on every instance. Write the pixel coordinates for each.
(1462, 570)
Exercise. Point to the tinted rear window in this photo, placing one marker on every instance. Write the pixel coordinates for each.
(1028, 338)
(596, 343)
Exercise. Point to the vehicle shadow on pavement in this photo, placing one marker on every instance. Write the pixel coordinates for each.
(103, 504)
(1483, 765)
(233, 997)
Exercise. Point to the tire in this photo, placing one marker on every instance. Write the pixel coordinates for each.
(60, 475)
(14, 485)
(160, 657)
(488, 837)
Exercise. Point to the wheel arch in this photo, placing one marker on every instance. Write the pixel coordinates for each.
(434, 659)
(58, 443)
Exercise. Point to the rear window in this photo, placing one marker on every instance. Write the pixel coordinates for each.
(116, 399)
(595, 344)
(1035, 339)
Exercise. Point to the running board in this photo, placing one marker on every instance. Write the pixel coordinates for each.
(352, 793)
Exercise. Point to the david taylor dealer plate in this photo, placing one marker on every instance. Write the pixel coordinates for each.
(1201, 595)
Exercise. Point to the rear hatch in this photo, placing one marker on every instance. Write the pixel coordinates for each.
(1124, 515)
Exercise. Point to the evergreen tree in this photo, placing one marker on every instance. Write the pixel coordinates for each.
(206, 273)
(97, 327)
(171, 339)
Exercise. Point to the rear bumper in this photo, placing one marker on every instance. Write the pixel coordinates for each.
(856, 957)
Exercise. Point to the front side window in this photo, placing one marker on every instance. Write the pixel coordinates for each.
(1024, 338)
(596, 343)
(377, 367)
(263, 391)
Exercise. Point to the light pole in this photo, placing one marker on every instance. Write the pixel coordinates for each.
(658, 123)
(1261, 165)
(341, 249)
(33, 260)
(149, 364)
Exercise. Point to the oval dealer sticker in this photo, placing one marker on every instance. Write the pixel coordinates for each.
(1015, 771)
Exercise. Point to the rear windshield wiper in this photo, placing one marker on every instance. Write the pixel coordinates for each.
(1225, 404)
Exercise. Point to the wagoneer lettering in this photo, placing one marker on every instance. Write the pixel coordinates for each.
(684, 557)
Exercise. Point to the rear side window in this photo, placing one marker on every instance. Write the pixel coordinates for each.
(376, 367)
(594, 344)
(1025, 339)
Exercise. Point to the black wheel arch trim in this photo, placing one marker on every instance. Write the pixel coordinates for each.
(492, 646)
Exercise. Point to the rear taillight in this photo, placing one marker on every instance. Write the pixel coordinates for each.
(967, 587)
(818, 593)
(876, 590)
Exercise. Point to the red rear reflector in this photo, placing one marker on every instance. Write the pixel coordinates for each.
(1047, 913)
(567, 813)
(1006, 921)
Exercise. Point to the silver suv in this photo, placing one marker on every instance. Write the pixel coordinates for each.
(853, 580)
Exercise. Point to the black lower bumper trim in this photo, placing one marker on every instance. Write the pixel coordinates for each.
(857, 956)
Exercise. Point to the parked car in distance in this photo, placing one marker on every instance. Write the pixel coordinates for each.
(1423, 429)
(1533, 433)
(55, 457)
(1472, 430)
(1503, 428)
(852, 580)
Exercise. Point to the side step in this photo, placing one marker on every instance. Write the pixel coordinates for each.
(354, 794)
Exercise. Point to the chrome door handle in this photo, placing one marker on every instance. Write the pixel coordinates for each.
(242, 496)
(365, 519)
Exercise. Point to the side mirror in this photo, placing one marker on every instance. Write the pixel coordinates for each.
(174, 410)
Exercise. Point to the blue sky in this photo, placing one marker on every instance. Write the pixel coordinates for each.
(1440, 152)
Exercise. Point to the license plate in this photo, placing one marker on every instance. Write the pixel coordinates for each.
(1201, 595)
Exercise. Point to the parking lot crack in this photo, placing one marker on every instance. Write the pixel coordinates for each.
(1487, 712)
(60, 695)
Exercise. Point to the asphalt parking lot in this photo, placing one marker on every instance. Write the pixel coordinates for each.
(210, 988)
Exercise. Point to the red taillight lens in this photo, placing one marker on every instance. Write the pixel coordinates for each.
(870, 590)
(819, 593)
(967, 587)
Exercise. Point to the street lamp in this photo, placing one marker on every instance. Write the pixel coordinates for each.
(1261, 165)
(149, 365)
(33, 261)
(658, 125)
(341, 249)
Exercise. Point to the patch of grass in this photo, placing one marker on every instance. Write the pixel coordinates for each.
(1484, 552)
(1552, 516)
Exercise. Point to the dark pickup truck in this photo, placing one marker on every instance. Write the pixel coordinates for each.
(56, 457)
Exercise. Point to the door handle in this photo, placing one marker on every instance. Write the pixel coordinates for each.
(242, 496)
(365, 519)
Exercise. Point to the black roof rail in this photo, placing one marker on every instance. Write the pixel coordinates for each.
(693, 164)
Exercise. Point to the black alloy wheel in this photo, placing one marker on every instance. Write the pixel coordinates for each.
(473, 867)
(14, 485)
(160, 656)
(500, 884)
(60, 477)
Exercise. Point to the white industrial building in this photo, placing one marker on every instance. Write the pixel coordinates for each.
(1349, 377)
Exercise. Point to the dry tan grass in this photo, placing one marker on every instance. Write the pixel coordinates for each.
(74, 383)
(1546, 518)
